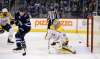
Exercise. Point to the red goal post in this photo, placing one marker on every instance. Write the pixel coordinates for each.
(90, 32)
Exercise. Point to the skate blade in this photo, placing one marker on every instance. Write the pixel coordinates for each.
(10, 43)
(18, 52)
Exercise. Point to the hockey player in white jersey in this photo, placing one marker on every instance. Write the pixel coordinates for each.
(6, 20)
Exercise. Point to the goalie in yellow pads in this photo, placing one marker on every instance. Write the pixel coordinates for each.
(57, 38)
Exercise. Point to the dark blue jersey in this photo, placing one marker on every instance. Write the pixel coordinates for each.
(22, 20)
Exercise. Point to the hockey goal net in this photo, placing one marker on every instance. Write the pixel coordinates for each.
(93, 33)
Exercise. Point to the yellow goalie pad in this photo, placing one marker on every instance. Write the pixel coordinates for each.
(0, 27)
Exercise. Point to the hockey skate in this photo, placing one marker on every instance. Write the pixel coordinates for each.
(9, 41)
(17, 49)
(21, 48)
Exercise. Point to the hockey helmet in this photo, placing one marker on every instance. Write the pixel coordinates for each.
(4, 10)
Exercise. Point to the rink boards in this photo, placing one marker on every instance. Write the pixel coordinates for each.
(70, 25)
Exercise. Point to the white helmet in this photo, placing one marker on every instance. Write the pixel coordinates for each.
(4, 10)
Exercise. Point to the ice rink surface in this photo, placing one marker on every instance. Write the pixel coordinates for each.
(37, 47)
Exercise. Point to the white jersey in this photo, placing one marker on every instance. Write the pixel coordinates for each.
(56, 36)
(5, 20)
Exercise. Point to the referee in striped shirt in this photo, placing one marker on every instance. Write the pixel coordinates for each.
(52, 15)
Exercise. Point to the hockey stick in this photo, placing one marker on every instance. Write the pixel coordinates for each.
(24, 52)
(73, 52)
(46, 35)
(49, 45)
(24, 47)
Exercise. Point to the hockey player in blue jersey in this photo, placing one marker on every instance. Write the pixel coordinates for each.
(22, 20)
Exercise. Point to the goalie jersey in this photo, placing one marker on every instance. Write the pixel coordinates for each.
(59, 29)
